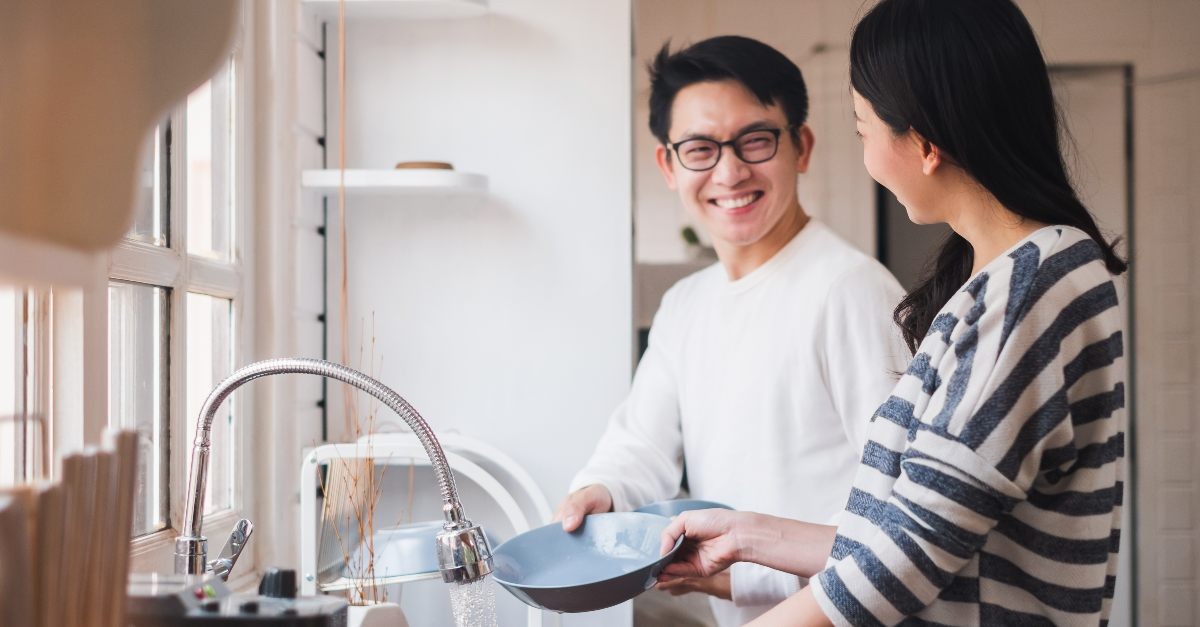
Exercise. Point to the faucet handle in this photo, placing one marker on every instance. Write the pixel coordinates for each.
(232, 549)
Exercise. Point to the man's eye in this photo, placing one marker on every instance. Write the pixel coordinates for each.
(698, 151)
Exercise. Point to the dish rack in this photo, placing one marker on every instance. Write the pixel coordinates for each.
(509, 485)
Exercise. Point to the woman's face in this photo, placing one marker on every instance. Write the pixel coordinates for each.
(896, 162)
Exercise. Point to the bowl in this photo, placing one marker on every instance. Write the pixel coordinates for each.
(398, 551)
(676, 507)
(424, 165)
(400, 554)
(610, 559)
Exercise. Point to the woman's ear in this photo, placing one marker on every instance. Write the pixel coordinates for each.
(663, 158)
(931, 155)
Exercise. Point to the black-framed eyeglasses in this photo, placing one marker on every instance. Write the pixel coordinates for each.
(753, 146)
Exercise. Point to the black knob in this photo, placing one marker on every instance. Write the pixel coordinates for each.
(279, 583)
(211, 605)
(248, 607)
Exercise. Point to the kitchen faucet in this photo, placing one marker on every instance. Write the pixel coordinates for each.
(464, 554)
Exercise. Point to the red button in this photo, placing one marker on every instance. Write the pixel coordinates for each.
(199, 592)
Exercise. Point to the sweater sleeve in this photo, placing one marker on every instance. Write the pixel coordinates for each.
(754, 585)
(973, 453)
(864, 352)
(640, 456)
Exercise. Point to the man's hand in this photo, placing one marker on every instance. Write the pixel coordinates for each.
(593, 499)
(717, 585)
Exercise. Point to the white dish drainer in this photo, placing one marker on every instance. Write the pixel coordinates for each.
(494, 472)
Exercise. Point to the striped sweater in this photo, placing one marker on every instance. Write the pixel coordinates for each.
(990, 488)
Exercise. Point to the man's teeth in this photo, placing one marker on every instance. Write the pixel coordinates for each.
(736, 203)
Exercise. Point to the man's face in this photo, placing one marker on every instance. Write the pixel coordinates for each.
(737, 203)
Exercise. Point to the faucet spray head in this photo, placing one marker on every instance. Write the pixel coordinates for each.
(464, 554)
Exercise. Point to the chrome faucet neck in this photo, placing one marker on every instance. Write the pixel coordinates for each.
(191, 546)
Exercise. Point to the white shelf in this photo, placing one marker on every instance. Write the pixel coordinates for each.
(396, 182)
(398, 9)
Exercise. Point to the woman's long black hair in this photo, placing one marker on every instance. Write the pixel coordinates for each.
(969, 77)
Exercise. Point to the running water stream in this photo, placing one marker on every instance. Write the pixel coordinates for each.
(474, 604)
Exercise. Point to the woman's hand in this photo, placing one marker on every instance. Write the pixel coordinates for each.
(710, 543)
(716, 538)
(718, 585)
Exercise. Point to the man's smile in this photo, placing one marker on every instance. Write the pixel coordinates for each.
(736, 202)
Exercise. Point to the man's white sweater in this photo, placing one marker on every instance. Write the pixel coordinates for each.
(765, 386)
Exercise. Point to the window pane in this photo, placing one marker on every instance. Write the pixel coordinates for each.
(138, 391)
(9, 384)
(209, 361)
(210, 167)
(150, 216)
(23, 431)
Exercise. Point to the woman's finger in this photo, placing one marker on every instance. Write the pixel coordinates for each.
(670, 582)
(675, 570)
(672, 532)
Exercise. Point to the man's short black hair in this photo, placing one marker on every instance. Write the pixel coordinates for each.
(761, 69)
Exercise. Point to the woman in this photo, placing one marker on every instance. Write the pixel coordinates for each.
(990, 489)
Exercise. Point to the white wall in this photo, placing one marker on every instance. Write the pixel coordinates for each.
(286, 121)
(508, 318)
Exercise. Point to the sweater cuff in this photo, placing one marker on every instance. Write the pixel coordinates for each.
(619, 499)
(824, 601)
(754, 585)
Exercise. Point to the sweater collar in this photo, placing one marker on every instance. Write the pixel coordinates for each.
(799, 242)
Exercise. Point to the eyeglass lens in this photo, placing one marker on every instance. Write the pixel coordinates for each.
(752, 147)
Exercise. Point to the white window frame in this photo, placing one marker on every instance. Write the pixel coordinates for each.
(71, 382)
(183, 273)
(30, 461)
(69, 374)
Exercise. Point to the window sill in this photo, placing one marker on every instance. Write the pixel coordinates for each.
(156, 552)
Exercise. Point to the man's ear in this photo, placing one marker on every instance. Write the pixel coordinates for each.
(931, 155)
(804, 147)
(663, 158)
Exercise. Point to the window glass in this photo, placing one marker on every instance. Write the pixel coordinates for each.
(210, 167)
(150, 203)
(9, 382)
(209, 361)
(24, 430)
(138, 391)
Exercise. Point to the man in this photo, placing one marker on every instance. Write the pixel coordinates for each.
(762, 371)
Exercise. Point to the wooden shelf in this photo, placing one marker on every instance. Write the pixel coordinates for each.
(398, 9)
(396, 182)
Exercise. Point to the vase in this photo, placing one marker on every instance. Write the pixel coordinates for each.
(380, 614)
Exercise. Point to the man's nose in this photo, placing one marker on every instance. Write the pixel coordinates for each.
(730, 170)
